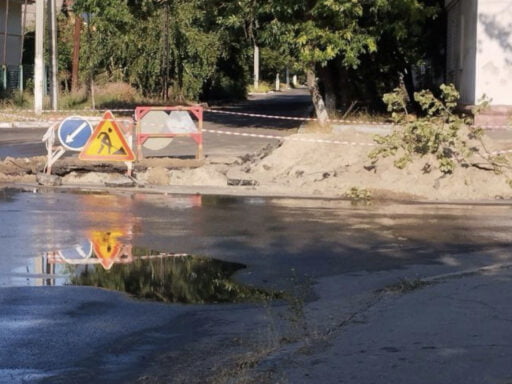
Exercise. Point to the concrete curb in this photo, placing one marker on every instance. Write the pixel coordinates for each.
(25, 124)
(242, 191)
(467, 272)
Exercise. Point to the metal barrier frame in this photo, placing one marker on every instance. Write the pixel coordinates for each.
(140, 137)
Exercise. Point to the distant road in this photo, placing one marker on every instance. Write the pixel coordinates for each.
(25, 142)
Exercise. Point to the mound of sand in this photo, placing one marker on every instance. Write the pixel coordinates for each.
(319, 168)
(306, 164)
(332, 164)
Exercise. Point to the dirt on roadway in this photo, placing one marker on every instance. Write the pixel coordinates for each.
(305, 164)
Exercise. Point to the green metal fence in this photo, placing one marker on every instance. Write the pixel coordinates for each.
(15, 77)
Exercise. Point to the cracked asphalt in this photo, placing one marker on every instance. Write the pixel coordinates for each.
(453, 331)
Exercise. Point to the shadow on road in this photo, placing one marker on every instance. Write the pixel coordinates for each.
(291, 103)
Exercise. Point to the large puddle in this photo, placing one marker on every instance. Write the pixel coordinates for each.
(104, 262)
(107, 241)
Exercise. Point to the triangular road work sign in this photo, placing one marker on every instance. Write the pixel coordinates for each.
(107, 143)
(106, 247)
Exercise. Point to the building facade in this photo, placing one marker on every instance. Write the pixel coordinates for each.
(11, 35)
(479, 53)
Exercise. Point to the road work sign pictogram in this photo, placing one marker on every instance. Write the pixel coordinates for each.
(106, 247)
(74, 132)
(107, 143)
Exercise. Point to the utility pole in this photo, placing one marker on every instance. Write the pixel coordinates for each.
(75, 66)
(39, 58)
(256, 67)
(76, 52)
(53, 53)
(165, 58)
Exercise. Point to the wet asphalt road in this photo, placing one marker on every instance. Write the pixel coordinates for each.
(76, 334)
(81, 335)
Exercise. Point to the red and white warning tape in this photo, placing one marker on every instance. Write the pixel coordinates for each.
(340, 121)
(493, 127)
(311, 140)
(242, 134)
(504, 152)
(87, 110)
(287, 138)
(16, 116)
(277, 117)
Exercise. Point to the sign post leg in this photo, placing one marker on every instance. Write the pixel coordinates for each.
(49, 158)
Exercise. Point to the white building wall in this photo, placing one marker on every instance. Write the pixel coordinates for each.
(462, 47)
(494, 47)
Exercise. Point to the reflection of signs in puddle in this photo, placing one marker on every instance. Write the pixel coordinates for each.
(107, 247)
(166, 277)
(77, 254)
(174, 278)
(108, 211)
(104, 252)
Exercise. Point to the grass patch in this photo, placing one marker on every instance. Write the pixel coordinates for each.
(16, 99)
(74, 100)
(263, 87)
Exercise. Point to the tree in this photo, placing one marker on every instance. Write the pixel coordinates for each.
(318, 31)
(348, 48)
(330, 37)
(155, 45)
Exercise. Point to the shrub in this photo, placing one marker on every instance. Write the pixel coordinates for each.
(440, 135)
(115, 95)
(263, 87)
(356, 194)
(76, 99)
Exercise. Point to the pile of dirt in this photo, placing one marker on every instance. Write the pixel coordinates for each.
(21, 170)
(306, 164)
(323, 168)
(334, 164)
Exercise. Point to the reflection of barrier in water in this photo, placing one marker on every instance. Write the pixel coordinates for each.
(166, 277)
(104, 248)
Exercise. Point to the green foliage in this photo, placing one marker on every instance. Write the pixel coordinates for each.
(437, 134)
(73, 100)
(356, 194)
(21, 99)
(358, 49)
(263, 87)
(190, 49)
(158, 46)
(318, 31)
(396, 102)
(116, 95)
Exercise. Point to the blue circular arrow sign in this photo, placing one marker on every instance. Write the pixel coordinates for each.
(74, 132)
(80, 251)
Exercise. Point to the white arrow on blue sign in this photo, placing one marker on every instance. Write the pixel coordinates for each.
(74, 132)
(79, 252)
